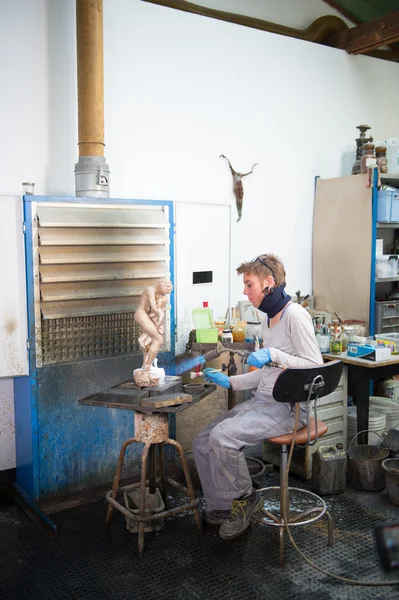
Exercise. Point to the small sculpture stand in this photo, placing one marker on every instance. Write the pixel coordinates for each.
(152, 430)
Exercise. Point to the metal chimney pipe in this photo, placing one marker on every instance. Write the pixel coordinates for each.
(91, 170)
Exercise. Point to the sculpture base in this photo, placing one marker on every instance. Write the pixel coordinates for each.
(151, 378)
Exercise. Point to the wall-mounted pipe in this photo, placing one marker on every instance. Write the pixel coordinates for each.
(91, 170)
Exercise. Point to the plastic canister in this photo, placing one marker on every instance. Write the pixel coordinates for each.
(324, 342)
(329, 470)
(392, 146)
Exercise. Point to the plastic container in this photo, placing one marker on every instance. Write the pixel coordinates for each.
(388, 389)
(388, 206)
(392, 146)
(365, 467)
(377, 424)
(324, 342)
(389, 407)
(390, 339)
(153, 504)
(329, 470)
(386, 266)
(205, 333)
(391, 468)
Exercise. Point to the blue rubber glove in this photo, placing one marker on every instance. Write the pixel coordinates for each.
(212, 376)
(259, 358)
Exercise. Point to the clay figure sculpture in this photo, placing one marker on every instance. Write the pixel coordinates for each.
(150, 315)
(238, 188)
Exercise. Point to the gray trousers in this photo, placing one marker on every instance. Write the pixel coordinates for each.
(218, 449)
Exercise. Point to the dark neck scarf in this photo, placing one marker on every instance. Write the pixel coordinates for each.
(274, 301)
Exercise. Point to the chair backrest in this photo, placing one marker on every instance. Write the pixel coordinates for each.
(294, 384)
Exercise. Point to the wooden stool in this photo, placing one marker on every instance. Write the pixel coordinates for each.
(151, 429)
(300, 385)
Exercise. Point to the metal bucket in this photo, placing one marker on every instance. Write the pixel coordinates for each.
(391, 468)
(365, 466)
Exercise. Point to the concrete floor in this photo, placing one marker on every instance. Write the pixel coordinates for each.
(82, 562)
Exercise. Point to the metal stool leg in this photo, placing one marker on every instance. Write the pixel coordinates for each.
(152, 476)
(330, 525)
(142, 497)
(188, 479)
(162, 475)
(117, 477)
(282, 531)
(284, 499)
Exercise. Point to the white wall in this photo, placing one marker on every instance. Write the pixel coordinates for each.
(180, 90)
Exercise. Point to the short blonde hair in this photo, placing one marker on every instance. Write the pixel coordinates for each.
(263, 266)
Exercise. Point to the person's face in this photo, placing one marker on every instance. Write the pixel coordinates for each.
(253, 287)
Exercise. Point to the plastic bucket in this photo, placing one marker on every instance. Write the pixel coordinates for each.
(391, 468)
(389, 407)
(377, 420)
(365, 466)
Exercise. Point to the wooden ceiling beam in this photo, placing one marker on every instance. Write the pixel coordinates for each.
(368, 36)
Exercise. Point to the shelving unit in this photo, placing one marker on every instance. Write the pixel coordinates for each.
(387, 309)
(345, 230)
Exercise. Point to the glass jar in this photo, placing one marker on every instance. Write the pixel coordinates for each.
(350, 332)
(239, 331)
(227, 336)
(220, 326)
(253, 329)
(368, 152)
(382, 161)
(338, 340)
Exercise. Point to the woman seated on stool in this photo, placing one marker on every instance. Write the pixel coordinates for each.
(288, 341)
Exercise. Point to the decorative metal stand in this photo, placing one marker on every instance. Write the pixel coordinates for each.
(151, 429)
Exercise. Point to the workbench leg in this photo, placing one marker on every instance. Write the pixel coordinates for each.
(360, 387)
(117, 477)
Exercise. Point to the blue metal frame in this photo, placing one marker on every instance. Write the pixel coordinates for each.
(41, 428)
(374, 207)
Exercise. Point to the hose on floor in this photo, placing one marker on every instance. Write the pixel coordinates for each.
(287, 528)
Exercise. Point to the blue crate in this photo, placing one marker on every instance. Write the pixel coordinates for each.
(388, 206)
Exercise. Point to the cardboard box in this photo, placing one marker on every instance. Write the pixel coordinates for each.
(374, 353)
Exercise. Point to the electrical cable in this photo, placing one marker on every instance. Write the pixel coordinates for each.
(287, 528)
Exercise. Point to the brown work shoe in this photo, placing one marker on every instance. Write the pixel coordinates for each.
(215, 517)
(240, 515)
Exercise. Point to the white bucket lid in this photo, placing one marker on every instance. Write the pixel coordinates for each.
(374, 415)
(384, 400)
(387, 405)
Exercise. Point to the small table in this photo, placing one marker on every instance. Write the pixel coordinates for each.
(360, 373)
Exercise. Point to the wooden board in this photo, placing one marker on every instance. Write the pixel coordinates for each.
(166, 400)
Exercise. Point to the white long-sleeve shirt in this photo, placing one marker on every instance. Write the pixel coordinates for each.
(292, 343)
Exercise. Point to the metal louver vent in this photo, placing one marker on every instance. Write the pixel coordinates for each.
(92, 262)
